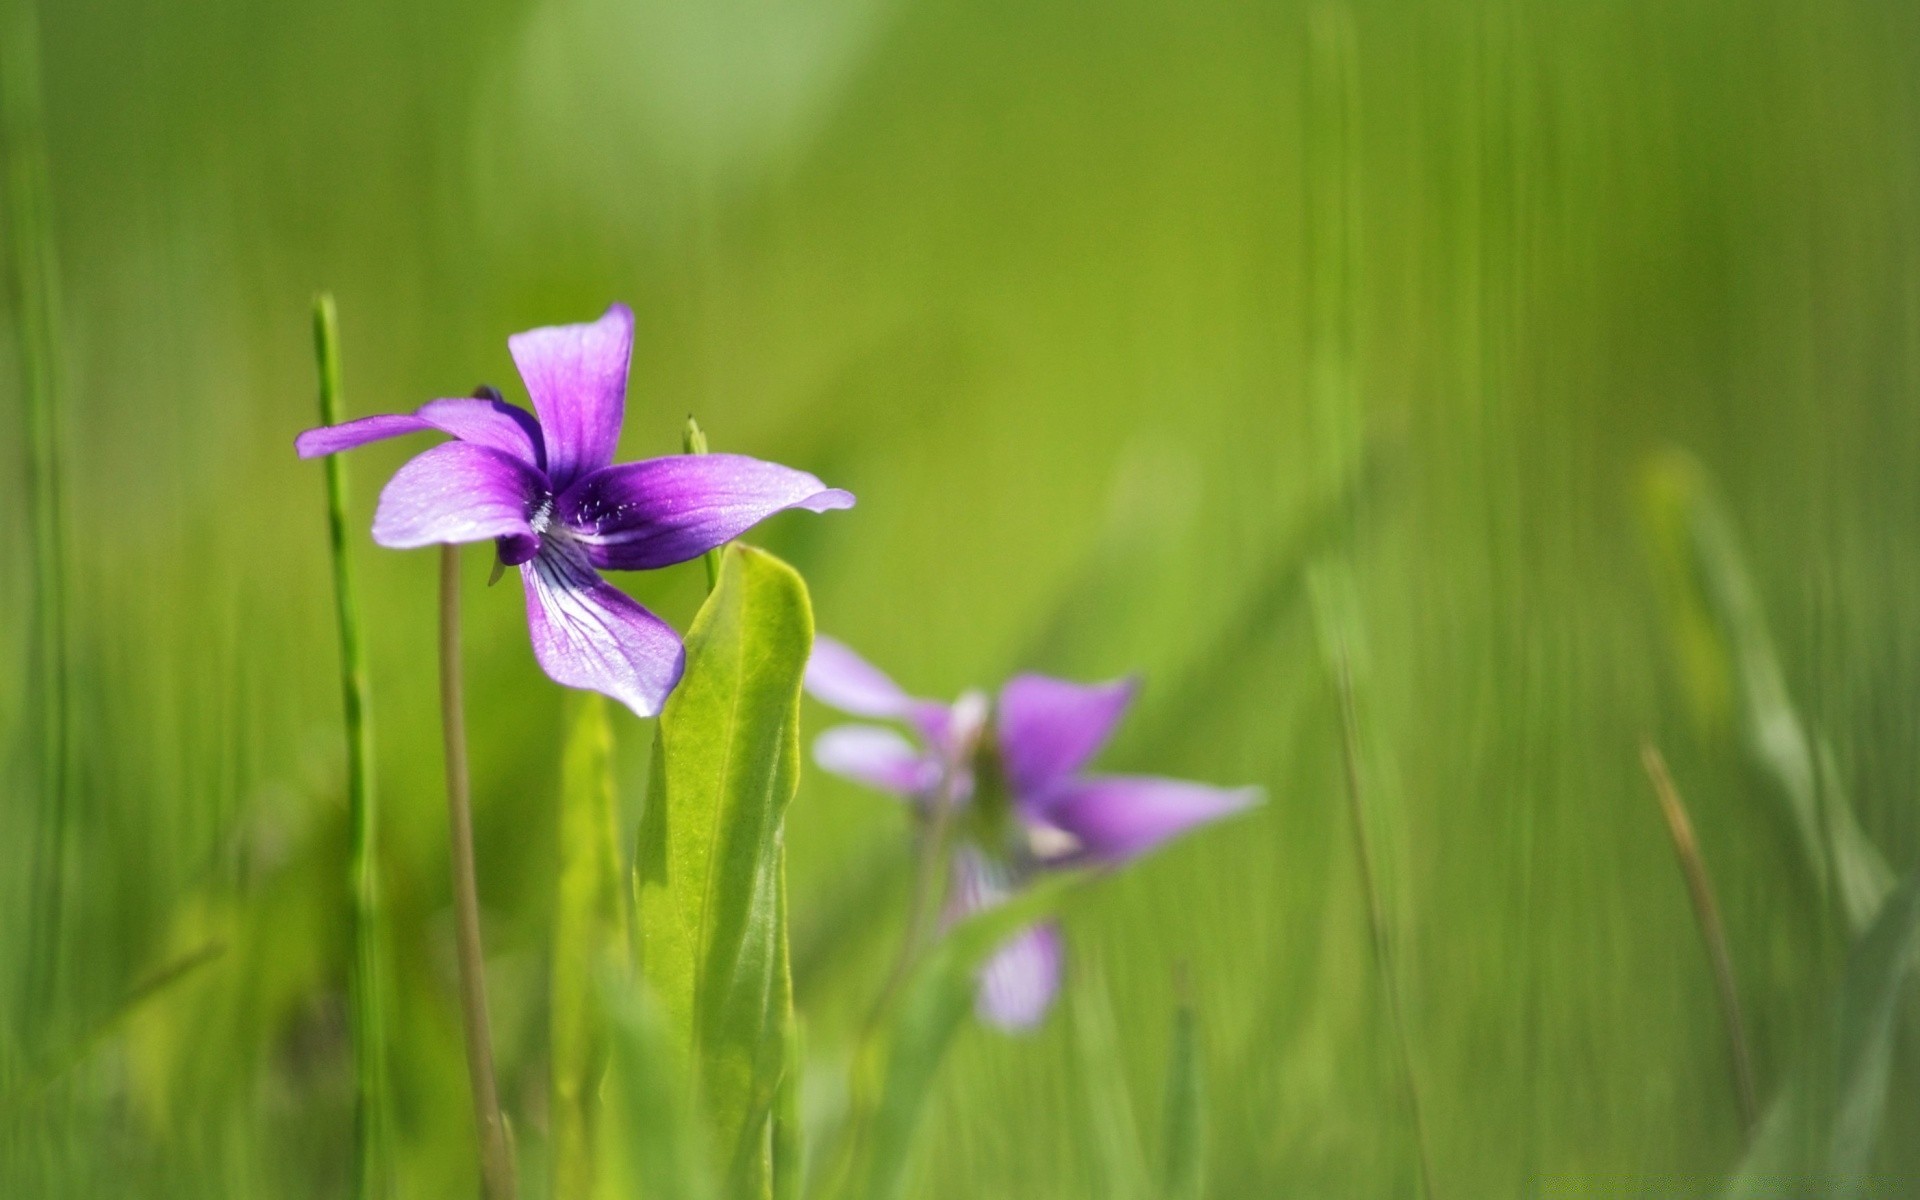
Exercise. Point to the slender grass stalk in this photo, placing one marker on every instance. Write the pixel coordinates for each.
(496, 1156)
(1706, 911)
(34, 276)
(693, 440)
(366, 992)
(1376, 915)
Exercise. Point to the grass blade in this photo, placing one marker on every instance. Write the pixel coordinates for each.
(1706, 910)
(34, 276)
(589, 933)
(1184, 1113)
(654, 1147)
(1107, 1124)
(1819, 1137)
(710, 866)
(366, 993)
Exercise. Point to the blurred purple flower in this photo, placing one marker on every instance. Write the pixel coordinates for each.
(1012, 769)
(546, 492)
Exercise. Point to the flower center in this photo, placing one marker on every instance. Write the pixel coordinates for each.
(542, 516)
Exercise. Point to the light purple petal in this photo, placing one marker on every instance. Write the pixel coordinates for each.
(457, 492)
(1020, 981)
(1050, 728)
(879, 758)
(577, 376)
(1112, 818)
(643, 515)
(838, 677)
(485, 421)
(589, 634)
(332, 439)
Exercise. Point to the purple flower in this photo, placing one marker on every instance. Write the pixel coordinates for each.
(1013, 769)
(547, 493)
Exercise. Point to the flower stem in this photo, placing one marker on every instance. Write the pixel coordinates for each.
(1712, 932)
(693, 440)
(26, 226)
(496, 1157)
(366, 997)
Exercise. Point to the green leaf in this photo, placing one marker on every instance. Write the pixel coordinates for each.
(1720, 626)
(653, 1148)
(1183, 1149)
(589, 933)
(934, 1003)
(711, 863)
(1819, 1137)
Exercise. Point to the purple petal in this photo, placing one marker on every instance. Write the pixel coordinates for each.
(488, 422)
(457, 492)
(588, 634)
(879, 758)
(1050, 728)
(838, 677)
(577, 376)
(484, 422)
(1113, 818)
(1020, 981)
(643, 515)
(332, 439)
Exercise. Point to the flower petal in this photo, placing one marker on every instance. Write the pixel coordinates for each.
(482, 421)
(332, 439)
(1113, 818)
(485, 421)
(879, 758)
(589, 634)
(643, 515)
(1050, 728)
(838, 677)
(457, 492)
(577, 376)
(1020, 981)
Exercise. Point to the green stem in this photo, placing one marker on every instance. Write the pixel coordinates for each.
(34, 278)
(366, 995)
(496, 1157)
(1376, 916)
(693, 440)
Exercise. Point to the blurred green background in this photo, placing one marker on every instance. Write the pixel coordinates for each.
(1124, 321)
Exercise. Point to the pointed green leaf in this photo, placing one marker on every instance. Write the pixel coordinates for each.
(589, 929)
(1183, 1150)
(711, 877)
(1720, 625)
(1819, 1137)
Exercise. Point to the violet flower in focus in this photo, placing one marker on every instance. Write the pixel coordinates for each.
(546, 492)
(1013, 770)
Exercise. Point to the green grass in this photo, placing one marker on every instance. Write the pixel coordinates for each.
(1116, 320)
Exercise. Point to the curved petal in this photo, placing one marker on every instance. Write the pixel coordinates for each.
(879, 758)
(642, 515)
(577, 376)
(1020, 981)
(488, 421)
(457, 492)
(482, 421)
(1050, 728)
(589, 634)
(1113, 818)
(332, 439)
(838, 677)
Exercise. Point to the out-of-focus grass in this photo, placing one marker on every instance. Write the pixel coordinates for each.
(1097, 310)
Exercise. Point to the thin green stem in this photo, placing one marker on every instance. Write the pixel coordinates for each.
(366, 993)
(1376, 915)
(1706, 911)
(496, 1156)
(693, 440)
(34, 278)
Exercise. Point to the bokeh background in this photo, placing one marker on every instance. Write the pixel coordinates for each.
(1136, 327)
